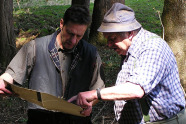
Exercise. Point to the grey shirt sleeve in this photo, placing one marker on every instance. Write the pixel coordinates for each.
(98, 75)
(22, 64)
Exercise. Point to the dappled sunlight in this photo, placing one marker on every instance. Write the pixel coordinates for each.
(25, 36)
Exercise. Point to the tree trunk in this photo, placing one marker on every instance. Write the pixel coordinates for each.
(7, 43)
(86, 3)
(174, 21)
(81, 2)
(100, 8)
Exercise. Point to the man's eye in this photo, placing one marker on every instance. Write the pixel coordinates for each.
(69, 33)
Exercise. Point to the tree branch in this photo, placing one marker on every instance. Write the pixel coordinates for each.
(161, 23)
(97, 116)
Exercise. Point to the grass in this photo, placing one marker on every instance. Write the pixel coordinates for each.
(45, 17)
(40, 20)
(147, 13)
(39, 17)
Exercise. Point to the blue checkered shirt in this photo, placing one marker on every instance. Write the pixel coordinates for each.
(151, 64)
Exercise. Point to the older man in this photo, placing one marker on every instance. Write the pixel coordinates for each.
(148, 88)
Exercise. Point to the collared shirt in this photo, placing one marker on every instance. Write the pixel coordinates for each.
(22, 64)
(65, 61)
(152, 65)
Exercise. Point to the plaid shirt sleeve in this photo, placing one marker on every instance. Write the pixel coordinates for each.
(150, 69)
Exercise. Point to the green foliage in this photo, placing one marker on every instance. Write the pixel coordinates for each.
(91, 7)
(146, 13)
(33, 3)
(45, 19)
(111, 64)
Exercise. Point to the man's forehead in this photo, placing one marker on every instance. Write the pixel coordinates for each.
(75, 28)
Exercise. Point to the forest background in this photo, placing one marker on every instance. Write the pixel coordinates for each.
(36, 18)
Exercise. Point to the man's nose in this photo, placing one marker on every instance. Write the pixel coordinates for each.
(73, 39)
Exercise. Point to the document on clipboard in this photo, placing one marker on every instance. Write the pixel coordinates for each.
(45, 100)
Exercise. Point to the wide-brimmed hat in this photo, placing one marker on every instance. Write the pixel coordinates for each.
(119, 18)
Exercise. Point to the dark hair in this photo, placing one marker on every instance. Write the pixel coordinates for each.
(77, 14)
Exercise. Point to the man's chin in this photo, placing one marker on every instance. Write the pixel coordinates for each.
(68, 50)
(69, 47)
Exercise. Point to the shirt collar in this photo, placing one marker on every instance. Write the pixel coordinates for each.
(52, 43)
(136, 43)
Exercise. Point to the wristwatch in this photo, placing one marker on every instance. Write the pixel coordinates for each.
(98, 93)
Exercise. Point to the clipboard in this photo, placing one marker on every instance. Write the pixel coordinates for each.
(47, 101)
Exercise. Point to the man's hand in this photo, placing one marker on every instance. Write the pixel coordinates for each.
(84, 98)
(85, 101)
(87, 111)
(3, 90)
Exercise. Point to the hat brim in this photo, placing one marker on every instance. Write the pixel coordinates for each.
(119, 27)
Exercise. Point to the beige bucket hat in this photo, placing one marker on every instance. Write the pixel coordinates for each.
(119, 18)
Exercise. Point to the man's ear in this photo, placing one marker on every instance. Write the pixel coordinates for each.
(61, 23)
